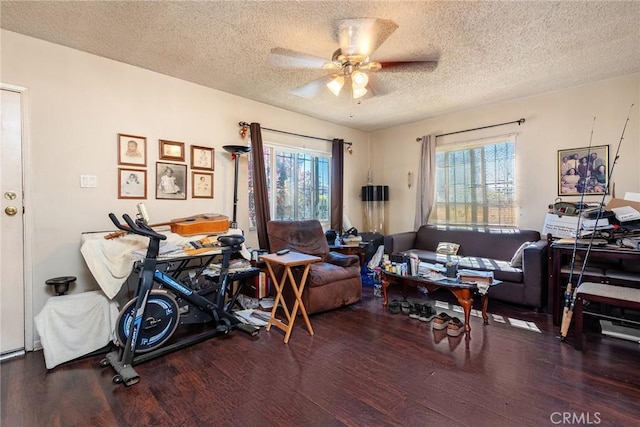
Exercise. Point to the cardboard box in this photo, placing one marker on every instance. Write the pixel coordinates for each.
(618, 203)
(560, 226)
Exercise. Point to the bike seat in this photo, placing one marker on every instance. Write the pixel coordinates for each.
(232, 240)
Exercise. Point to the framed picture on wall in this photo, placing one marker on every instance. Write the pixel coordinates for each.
(132, 184)
(201, 185)
(583, 170)
(171, 181)
(132, 150)
(202, 158)
(171, 150)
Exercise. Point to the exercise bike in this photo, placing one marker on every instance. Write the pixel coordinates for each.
(147, 322)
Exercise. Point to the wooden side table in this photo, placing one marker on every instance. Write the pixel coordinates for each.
(291, 259)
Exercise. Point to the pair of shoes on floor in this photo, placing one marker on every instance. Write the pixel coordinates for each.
(453, 325)
(427, 314)
(394, 306)
(406, 306)
(423, 312)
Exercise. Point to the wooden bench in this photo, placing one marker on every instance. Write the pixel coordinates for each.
(619, 296)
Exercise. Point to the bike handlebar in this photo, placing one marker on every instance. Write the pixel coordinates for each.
(134, 228)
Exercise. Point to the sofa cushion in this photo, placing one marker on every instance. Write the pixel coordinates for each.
(516, 260)
(447, 248)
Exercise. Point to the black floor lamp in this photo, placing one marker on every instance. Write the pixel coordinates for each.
(237, 151)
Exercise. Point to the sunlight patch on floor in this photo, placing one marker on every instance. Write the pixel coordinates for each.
(516, 323)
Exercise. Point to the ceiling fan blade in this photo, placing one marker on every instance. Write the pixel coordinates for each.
(313, 88)
(363, 36)
(289, 58)
(408, 66)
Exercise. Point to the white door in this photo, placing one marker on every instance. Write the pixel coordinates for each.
(12, 333)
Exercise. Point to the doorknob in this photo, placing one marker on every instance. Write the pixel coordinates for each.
(9, 195)
(11, 210)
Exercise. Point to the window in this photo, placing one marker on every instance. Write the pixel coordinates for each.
(475, 183)
(298, 183)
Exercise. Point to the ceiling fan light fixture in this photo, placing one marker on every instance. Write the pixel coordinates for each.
(358, 92)
(335, 85)
(359, 79)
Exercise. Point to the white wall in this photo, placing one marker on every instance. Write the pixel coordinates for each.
(554, 121)
(78, 103)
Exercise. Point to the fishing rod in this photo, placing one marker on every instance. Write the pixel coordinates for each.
(565, 328)
(566, 320)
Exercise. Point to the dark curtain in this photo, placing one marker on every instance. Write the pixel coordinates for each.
(337, 174)
(260, 194)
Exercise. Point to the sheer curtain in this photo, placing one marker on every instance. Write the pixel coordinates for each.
(260, 193)
(425, 187)
(337, 173)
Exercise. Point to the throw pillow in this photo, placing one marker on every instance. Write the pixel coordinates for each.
(447, 248)
(516, 260)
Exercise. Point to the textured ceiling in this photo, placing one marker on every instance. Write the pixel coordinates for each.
(487, 51)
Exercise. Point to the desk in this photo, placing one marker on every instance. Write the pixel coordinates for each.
(291, 259)
(560, 255)
(111, 261)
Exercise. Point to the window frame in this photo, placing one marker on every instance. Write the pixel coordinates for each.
(272, 179)
(482, 195)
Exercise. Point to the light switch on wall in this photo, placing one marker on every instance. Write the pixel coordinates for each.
(88, 181)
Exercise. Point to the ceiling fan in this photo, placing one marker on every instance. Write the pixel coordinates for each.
(350, 63)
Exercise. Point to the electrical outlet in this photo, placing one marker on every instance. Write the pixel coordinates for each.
(88, 181)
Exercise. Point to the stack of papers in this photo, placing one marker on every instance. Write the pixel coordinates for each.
(626, 213)
(424, 268)
(235, 266)
(267, 303)
(592, 224)
(253, 317)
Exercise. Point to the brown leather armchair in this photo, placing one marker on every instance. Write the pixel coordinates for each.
(331, 283)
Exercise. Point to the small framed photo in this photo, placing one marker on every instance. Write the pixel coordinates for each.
(132, 150)
(202, 185)
(583, 170)
(171, 181)
(202, 158)
(132, 184)
(171, 150)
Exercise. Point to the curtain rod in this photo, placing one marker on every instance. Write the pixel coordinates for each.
(519, 122)
(295, 134)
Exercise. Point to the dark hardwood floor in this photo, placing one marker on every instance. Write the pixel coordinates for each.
(364, 367)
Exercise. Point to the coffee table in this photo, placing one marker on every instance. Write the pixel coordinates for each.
(462, 291)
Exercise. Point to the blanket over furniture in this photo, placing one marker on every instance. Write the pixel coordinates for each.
(111, 261)
(71, 326)
(487, 249)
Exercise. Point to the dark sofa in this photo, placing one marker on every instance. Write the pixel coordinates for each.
(485, 249)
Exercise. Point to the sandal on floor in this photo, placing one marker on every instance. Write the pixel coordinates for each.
(455, 327)
(427, 314)
(394, 306)
(414, 312)
(406, 306)
(441, 321)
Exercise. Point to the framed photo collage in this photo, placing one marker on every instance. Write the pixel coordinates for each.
(172, 179)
